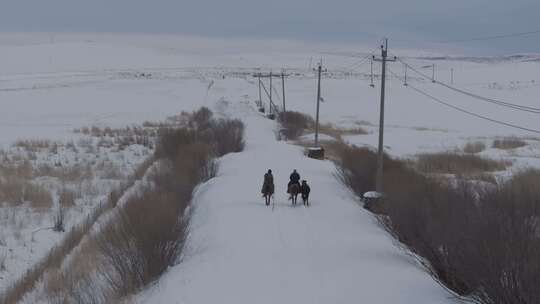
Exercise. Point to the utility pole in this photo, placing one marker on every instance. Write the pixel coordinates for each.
(271, 102)
(433, 73)
(452, 76)
(372, 85)
(283, 90)
(384, 55)
(260, 95)
(405, 83)
(272, 107)
(319, 70)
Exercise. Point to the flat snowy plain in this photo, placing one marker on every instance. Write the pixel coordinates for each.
(240, 251)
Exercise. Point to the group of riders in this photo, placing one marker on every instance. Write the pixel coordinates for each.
(294, 187)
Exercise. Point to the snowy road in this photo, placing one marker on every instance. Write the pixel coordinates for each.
(241, 251)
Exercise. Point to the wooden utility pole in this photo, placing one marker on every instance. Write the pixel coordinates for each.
(319, 70)
(283, 89)
(433, 73)
(260, 95)
(384, 55)
(271, 102)
(405, 82)
(372, 85)
(273, 108)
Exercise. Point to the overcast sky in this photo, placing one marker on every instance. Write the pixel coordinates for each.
(406, 22)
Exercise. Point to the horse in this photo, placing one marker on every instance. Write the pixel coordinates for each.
(267, 191)
(305, 198)
(294, 189)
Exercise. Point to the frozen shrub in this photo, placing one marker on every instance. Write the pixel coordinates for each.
(474, 147)
(201, 118)
(38, 196)
(111, 172)
(294, 123)
(171, 140)
(34, 145)
(228, 136)
(357, 166)
(509, 143)
(455, 163)
(480, 242)
(27, 282)
(12, 190)
(66, 198)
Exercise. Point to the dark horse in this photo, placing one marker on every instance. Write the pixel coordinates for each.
(267, 191)
(294, 189)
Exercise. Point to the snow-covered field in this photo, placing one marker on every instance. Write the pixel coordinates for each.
(51, 84)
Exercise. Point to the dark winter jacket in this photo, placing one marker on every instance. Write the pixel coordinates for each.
(295, 177)
(268, 184)
(268, 178)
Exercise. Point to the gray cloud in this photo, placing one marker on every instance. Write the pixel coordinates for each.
(407, 23)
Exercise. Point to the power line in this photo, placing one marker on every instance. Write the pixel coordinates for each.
(473, 114)
(466, 111)
(473, 95)
(360, 62)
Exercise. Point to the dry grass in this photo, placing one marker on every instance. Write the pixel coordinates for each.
(39, 197)
(480, 242)
(509, 143)
(338, 132)
(16, 191)
(18, 170)
(27, 282)
(35, 145)
(455, 163)
(146, 235)
(65, 174)
(474, 147)
(294, 124)
(67, 198)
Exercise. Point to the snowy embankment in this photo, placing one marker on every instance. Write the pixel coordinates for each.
(240, 251)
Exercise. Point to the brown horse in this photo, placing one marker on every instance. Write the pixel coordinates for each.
(294, 189)
(267, 191)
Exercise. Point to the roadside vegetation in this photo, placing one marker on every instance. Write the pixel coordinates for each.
(509, 143)
(480, 241)
(474, 147)
(295, 124)
(145, 229)
(52, 190)
(457, 163)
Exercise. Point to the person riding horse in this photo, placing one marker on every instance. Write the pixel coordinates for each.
(294, 179)
(268, 186)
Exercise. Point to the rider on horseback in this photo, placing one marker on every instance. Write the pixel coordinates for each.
(268, 184)
(294, 179)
